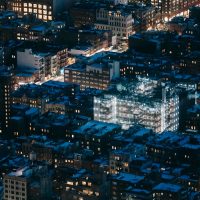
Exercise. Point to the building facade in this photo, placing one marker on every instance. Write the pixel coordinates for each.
(170, 8)
(6, 86)
(119, 22)
(138, 107)
(42, 9)
(27, 183)
(47, 64)
(96, 75)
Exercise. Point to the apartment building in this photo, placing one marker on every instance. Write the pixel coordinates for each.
(42, 9)
(170, 8)
(118, 21)
(15, 187)
(47, 64)
(97, 74)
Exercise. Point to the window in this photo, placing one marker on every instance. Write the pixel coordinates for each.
(83, 183)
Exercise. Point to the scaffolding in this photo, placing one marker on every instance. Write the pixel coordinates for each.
(146, 102)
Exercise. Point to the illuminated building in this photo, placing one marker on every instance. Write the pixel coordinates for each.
(47, 64)
(27, 183)
(146, 102)
(42, 9)
(170, 8)
(119, 22)
(6, 85)
(92, 75)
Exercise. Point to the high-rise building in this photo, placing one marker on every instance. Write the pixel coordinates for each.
(6, 85)
(170, 8)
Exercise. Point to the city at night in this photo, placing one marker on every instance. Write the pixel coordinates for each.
(99, 99)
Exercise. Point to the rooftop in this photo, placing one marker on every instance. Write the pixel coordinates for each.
(168, 187)
(97, 128)
(126, 177)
